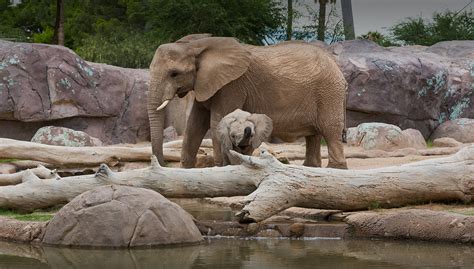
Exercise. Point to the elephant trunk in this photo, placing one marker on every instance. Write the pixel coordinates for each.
(157, 121)
(245, 142)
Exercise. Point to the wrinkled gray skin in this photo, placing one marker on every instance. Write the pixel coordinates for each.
(242, 132)
(298, 85)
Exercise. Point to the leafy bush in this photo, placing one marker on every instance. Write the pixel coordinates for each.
(44, 37)
(378, 38)
(248, 20)
(127, 32)
(126, 49)
(445, 26)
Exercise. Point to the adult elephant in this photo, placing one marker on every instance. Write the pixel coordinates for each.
(298, 85)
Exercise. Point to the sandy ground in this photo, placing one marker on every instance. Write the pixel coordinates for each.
(370, 163)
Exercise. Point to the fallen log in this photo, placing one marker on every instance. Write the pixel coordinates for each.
(16, 178)
(82, 156)
(73, 157)
(271, 186)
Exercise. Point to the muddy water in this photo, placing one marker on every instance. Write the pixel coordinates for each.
(239, 253)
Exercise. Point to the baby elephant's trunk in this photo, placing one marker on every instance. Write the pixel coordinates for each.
(246, 139)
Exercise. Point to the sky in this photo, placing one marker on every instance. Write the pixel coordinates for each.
(380, 15)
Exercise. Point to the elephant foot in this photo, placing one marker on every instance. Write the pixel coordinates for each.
(337, 165)
(188, 164)
(312, 163)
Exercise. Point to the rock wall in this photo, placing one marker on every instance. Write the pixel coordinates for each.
(44, 85)
(411, 87)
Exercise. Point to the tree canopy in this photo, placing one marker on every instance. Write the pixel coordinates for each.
(127, 32)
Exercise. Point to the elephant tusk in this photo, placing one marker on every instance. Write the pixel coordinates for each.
(165, 103)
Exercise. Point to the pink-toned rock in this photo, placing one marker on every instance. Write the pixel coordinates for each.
(61, 136)
(6, 168)
(43, 85)
(410, 87)
(461, 130)
(121, 216)
(170, 134)
(446, 142)
(414, 139)
(382, 136)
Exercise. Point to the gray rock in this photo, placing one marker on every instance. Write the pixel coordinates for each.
(413, 139)
(446, 142)
(170, 134)
(61, 136)
(411, 87)
(382, 136)
(120, 216)
(461, 130)
(7, 168)
(43, 85)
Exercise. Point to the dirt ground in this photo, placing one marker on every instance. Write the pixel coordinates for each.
(370, 163)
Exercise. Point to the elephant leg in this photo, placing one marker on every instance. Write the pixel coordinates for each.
(219, 154)
(313, 151)
(216, 146)
(335, 151)
(196, 127)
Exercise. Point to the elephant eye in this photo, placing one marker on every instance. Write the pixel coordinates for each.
(174, 73)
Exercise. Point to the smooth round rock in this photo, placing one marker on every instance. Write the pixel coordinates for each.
(446, 142)
(121, 216)
(383, 136)
(461, 130)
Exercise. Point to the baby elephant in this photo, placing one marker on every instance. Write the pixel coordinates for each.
(242, 132)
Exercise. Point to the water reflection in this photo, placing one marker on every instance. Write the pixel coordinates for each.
(239, 253)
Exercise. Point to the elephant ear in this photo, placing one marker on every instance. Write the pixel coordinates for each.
(219, 60)
(223, 133)
(263, 128)
(189, 38)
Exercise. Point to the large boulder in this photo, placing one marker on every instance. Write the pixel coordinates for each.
(43, 85)
(461, 130)
(411, 87)
(61, 136)
(382, 136)
(446, 142)
(120, 216)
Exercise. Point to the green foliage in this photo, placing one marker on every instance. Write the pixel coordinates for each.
(374, 205)
(35, 216)
(247, 20)
(7, 160)
(378, 38)
(44, 37)
(444, 26)
(126, 49)
(127, 32)
(429, 143)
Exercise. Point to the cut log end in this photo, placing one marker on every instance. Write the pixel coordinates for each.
(104, 172)
(244, 217)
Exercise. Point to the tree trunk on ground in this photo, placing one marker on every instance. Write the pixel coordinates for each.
(75, 157)
(271, 186)
(59, 25)
(16, 178)
(80, 156)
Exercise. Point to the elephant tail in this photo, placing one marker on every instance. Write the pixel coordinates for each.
(344, 130)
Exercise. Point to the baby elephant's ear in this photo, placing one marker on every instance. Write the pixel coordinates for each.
(263, 128)
(223, 132)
